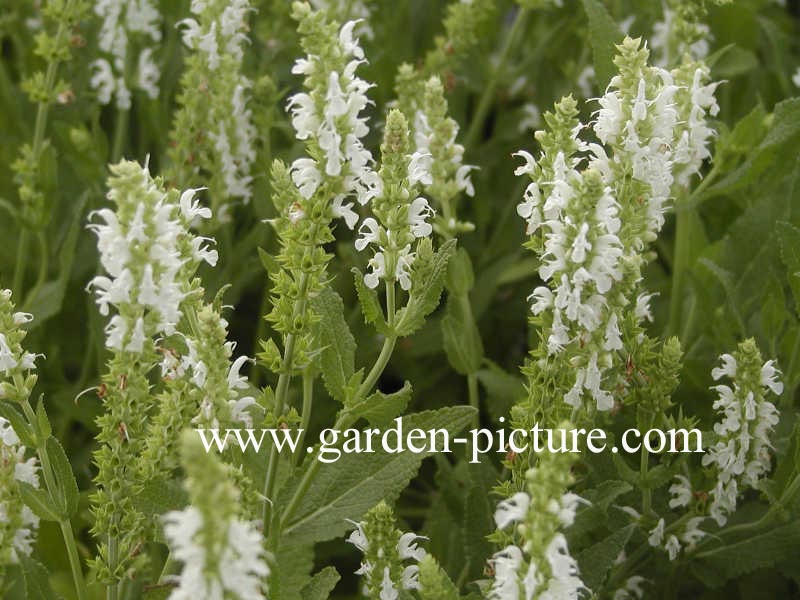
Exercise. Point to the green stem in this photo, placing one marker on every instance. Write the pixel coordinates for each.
(344, 416)
(305, 415)
(680, 265)
(120, 129)
(474, 399)
(488, 92)
(64, 524)
(22, 257)
(112, 591)
(281, 391)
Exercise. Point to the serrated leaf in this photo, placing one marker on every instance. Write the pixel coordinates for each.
(66, 486)
(18, 423)
(268, 261)
(604, 34)
(380, 409)
(37, 580)
(595, 561)
(424, 295)
(356, 482)
(321, 585)
(337, 358)
(42, 422)
(159, 496)
(294, 561)
(39, 501)
(370, 306)
(460, 336)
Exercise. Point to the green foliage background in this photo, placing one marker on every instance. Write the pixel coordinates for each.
(738, 273)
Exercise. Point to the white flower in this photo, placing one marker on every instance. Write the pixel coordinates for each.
(102, 80)
(673, 547)
(344, 210)
(377, 264)
(512, 510)
(657, 534)
(769, 377)
(369, 230)
(693, 534)
(418, 212)
(20, 523)
(728, 367)
(796, 77)
(419, 168)
(506, 563)
(408, 549)
(631, 590)
(149, 74)
(681, 492)
(239, 565)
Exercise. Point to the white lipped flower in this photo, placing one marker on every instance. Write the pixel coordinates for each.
(796, 77)
(237, 568)
(681, 492)
(217, 32)
(390, 557)
(223, 555)
(148, 254)
(329, 118)
(126, 27)
(631, 589)
(18, 524)
(741, 455)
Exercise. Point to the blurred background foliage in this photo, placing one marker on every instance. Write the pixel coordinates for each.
(740, 271)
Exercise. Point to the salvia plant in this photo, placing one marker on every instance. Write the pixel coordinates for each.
(399, 299)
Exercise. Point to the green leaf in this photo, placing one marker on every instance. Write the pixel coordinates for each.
(503, 390)
(43, 423)
(356, 482)
(37, 580)
(428, 281)
(66, 486)
(370, 306)
(321, 585)
(460, 277)
(604, 34)
(735, 61)
(268, 261)
(784, 127)
(716, 566)
(294, 560)
(789, 240)
(478, 523)
(159, 496)
(337, 357)
(19, 424)
(39, 501)
(460, 336)
(596, 560)
(50, 297)
(595, 514)
(381, 409)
